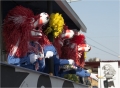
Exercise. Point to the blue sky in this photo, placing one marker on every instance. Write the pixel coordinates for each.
(102, 19)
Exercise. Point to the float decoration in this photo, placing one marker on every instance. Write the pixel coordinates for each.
(56, 24)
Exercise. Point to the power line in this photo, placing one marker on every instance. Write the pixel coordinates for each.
(104, 51)
(103, 46)
(102, 36)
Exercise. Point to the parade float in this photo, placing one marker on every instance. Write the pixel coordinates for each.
(15, 76)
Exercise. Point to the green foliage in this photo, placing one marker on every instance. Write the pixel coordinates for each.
(72, 77)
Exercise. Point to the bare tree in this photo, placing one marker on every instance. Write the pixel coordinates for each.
(94, 59)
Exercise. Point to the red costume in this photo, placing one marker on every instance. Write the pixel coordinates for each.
(16, 28)
(58, 42)
(21, 31)
(74, 48)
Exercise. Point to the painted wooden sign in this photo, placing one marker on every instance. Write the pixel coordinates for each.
(18, 77)
(109, 75)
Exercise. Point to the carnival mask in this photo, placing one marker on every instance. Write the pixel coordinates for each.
(36, 32)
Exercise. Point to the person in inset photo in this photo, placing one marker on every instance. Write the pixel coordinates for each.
(109, 73)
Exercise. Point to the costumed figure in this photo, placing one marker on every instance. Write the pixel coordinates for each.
(21, 31)
(56, 24)
(58, 42)
(74, 48)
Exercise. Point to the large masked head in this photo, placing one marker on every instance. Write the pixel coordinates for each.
(18, 28)
(36, 32)
(66, 34)
(79, 39)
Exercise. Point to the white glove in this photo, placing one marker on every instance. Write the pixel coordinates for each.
(71, 61)
(49, 54)
(33, 57)
(94, 76)
(41, 55)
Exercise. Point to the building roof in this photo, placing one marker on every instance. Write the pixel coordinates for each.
(71, 18)
(70, 12)
(97, 64)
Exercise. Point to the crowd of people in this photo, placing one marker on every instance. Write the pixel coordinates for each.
(28, 45)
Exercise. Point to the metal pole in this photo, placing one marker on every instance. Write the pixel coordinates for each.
(3, 54)
(50, 61)
(50, 10)
(0, 33)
